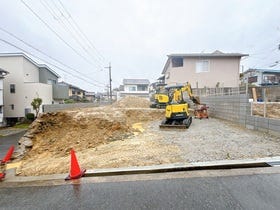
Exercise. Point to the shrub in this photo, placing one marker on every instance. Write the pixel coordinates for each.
(30, 116)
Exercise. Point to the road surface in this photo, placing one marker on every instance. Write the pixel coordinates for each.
(253, 191)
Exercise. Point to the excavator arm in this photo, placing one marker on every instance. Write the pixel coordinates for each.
(187, 88)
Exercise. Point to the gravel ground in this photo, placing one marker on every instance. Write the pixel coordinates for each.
(214, 139)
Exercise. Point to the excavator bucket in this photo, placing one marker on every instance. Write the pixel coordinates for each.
(195, 99)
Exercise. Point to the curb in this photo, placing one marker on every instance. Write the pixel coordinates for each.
(211, 165)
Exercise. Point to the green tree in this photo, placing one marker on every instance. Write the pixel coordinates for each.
(36, 103)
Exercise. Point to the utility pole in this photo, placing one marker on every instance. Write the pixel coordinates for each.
(110, 81)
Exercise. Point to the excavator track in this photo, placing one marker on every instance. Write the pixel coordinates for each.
(173, 126)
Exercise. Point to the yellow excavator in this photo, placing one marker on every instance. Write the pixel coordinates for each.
(177, 111)
(161, 98)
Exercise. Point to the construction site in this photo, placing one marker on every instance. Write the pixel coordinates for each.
(127, 134)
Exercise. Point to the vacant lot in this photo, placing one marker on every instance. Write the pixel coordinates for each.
(123, 136)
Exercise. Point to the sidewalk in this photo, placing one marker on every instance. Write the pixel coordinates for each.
(10, 131)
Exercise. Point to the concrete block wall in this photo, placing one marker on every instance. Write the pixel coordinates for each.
(236, 108)
(232, 107)
(60, 107)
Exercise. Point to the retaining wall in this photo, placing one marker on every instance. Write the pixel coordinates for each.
(236, 108)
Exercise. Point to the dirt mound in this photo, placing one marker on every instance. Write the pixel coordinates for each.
(132, 102)
(272, 110)
(52, 135)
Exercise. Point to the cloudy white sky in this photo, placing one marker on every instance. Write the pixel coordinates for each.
(136, 35)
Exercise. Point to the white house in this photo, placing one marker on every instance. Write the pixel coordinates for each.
(28, 80)
(135, 87)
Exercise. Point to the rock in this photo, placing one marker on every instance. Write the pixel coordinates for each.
(26, 142)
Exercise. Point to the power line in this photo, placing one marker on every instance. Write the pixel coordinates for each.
(40, 51)
(81, 31)
(48, 26)
(35, 56)
(67, 29)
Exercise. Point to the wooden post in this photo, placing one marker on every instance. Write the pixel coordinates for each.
(254, 94)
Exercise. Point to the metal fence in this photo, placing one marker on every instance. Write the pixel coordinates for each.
(263, 94)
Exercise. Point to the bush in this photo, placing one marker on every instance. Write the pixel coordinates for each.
(30, 116)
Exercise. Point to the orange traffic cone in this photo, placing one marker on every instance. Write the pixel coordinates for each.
(75, 171)
(8, 155)
(2, 176)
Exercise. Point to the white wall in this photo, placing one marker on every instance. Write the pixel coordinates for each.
(14, 65)
(34, 90)
(30, 72)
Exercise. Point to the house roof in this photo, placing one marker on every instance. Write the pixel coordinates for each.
(263, 70)
(20, 54)
(215, 54)
(136, 81)
(71, 86)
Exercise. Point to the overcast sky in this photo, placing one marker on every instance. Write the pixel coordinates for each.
(136, 35)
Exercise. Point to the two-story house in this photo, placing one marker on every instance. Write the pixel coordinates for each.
(203, 69)
(28, 80)
(135, 87)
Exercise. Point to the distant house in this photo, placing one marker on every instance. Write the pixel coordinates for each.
(203, 69)
(135, 87)
(28, 80)
(90, 96)
(74, 92)
(261, 77)
(3, 73)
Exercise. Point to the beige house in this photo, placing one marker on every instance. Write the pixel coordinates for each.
(203, 69)
(27, 80)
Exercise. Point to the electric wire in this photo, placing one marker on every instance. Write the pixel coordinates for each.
(81, 31)
(49, 27)
(67, 29)
(40, 51)
(35, 56)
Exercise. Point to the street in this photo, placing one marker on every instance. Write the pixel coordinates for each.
(9, 140)
(251, 191)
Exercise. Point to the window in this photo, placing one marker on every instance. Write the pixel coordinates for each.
(12, 88)
(51, 82)
(202, 66)
(12, 106)
(78, 92)
(142, 87)
(1, 109)
(177, 62)
(132, 88)
(73, 92)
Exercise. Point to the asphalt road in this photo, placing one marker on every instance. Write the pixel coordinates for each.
(7, 141)
(230, 192)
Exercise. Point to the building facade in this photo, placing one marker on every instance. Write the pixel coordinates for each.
(203, 69)
(135, 87)
(27, 80)
(261, 77)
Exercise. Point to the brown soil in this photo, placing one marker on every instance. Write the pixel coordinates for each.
(102, 137)
(272, 110)
(132, 102)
